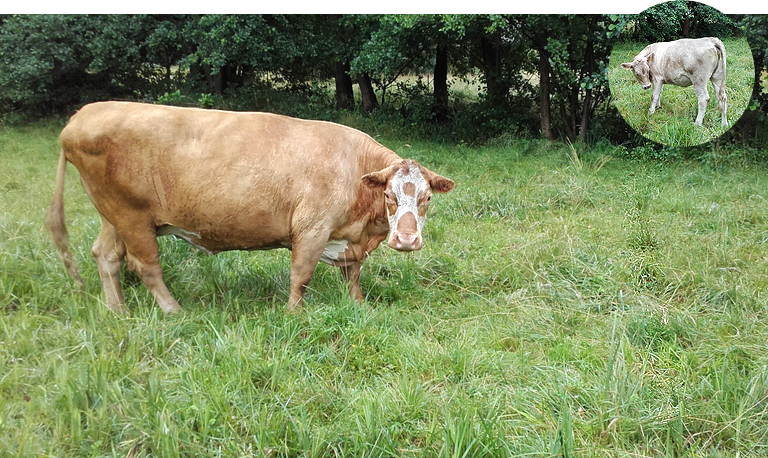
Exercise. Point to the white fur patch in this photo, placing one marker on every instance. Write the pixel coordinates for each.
(183, 234)
(333, 250)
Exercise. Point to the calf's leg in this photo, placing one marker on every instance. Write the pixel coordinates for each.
(655, 97)
(702, 94)
(109, 253)
(722, 100)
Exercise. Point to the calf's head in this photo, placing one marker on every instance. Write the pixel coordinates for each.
(641, 68)
(407, 190)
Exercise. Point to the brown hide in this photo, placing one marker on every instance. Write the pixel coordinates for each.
(224, 181)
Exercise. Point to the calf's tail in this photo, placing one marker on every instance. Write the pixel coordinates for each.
(721, 67)
(54, 222)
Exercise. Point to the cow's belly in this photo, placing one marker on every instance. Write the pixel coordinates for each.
(680, 79)
(336, 253)
(215, 241)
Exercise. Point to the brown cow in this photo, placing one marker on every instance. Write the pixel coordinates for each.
(236, 181)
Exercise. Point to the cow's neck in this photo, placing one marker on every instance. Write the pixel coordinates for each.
(377, 157)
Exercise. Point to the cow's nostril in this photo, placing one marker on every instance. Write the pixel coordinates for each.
(405, 241)
(406, 238)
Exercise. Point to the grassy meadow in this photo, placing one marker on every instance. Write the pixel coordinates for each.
(566, 304)
(672, 123)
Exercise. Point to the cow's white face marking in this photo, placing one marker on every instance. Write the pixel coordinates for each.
(333, 250)
(406, 188)
(407, 199)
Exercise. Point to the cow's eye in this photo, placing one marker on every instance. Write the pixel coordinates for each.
(389, 197)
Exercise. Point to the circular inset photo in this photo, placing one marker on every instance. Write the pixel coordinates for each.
(681, 74)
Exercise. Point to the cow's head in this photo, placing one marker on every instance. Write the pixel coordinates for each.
(407, 190)
(641, 68)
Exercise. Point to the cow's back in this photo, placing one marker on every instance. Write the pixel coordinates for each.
(688, 59)
(238, 180)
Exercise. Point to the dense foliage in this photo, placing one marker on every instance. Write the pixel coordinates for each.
(460, 78)
(681, 19)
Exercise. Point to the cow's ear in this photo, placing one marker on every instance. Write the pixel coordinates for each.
(650, 57)
(627, 65)
(441, 184)
(375, 180)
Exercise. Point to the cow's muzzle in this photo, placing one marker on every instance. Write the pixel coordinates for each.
(647, 86)
(406, 236)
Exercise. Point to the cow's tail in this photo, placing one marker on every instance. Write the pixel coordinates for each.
(720, 67)
(54, 221)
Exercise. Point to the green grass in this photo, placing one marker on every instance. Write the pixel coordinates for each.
(566, 303)
(672, 123)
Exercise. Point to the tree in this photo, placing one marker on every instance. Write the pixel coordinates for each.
(231, 49)
(53, 63)
(418, 44)
(55, 60)
(139, 52)
(754, 122)
(344, 36)
(573, 53)
(440, 105)
(391, 50)
(539, 33)
(492, 46)
(679, 19)
(344, 95)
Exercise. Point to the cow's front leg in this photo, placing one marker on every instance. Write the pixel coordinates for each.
(702, 94)
(655, 97)
(305, 254)
(351, 273)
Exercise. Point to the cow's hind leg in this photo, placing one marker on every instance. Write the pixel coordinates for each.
(722, 100)
(109, 253)
(702, 94)
(144, 258)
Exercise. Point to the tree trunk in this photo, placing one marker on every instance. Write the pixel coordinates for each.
(491, 50)
(544, 89)
(589, 60)
(586, 114)
(366, 92)
(440, 104)
(227, 74)
(345, 96)
(573, 115)
(211, 79)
